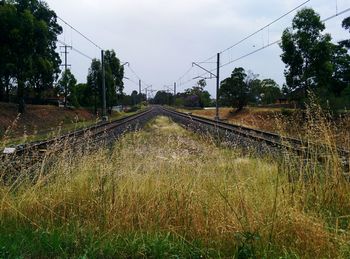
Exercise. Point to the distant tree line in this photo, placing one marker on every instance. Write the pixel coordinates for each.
(196, 96)
(240, 89)
(243, 88)
(29, 63)
(30, 67)
(314, 64)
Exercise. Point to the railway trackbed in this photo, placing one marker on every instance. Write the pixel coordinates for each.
(232, 135)
(106, 131)
(262, 141)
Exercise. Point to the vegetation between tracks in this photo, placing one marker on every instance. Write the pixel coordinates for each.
(165, 192)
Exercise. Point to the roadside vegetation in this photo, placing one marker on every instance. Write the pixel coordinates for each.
(284, 121)
(165, 192)
(44, 122)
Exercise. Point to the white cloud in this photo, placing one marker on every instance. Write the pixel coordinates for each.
(161, 38)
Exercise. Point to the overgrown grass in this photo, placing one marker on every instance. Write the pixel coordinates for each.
(6, 138)
(165, 192)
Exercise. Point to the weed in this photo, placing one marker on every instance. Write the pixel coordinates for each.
(165, 192)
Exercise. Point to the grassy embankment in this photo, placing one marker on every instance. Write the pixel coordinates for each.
(43, 121)
(288, 122)
(165, 192)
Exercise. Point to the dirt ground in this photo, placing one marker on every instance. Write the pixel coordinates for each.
(287, 122)
(259, 118)
(38, 119)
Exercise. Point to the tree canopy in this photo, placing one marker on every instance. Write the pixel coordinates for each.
(28, 58)
(313, 62)
(234, 90)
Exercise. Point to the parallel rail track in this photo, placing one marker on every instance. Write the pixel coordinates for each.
(97, 132)
(267, 140)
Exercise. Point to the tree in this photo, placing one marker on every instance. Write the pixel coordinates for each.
(7, 67)
(114, 77)
(307, 54)
(234, 91)
(84, 95)
(67, 86)
(94, 81)
(346, 26)
(270, 91)
(197, 96)
(163, 98)
(29, 31)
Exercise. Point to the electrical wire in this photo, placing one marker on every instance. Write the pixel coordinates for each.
(266, 26)
(248, 37)
(81, 34)
(259, 30)
(265, 47)
(76, 50)
(279, 41)
(137, 76)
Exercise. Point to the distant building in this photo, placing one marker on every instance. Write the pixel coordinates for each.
(282, 101)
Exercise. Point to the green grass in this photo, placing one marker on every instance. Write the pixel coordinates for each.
(66, 127)
(26, 241)
(165, 192)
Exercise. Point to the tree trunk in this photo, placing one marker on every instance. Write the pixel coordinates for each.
(7, 90)
(2, 91)
(20, 96)
(95, 102)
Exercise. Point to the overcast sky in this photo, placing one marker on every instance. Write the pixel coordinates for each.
(162, 38)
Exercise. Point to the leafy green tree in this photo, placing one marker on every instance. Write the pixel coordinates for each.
(234, 90)
(114, 74)
(29, 31)
(346, 26)
(66, 86)
(84, 96)
(94, 82)
(307, 54)
(255, 91)
(341, 69)
(197, 96)
(114, 77)
(163, 98)
(270, 91)
(8, 16)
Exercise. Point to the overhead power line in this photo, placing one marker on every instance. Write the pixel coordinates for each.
(76, 50)
(263, 48)
(248, 37)
(81, 34)
(266, 26)
(337, 14)
(137, 76)
(259, 30)
(279, 41)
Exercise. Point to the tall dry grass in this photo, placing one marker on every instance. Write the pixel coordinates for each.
(165, 180)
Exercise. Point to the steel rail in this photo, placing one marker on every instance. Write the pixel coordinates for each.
(269, 138)
(75, 136)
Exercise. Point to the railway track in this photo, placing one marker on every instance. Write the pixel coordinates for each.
(107, 131)
(264, 142)
(233, 135)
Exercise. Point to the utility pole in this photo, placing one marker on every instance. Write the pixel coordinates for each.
(104, 109)
(66, 65)
(174, 94)
(217, 76)
(147, 91)
(217, 117)
(140, 94)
